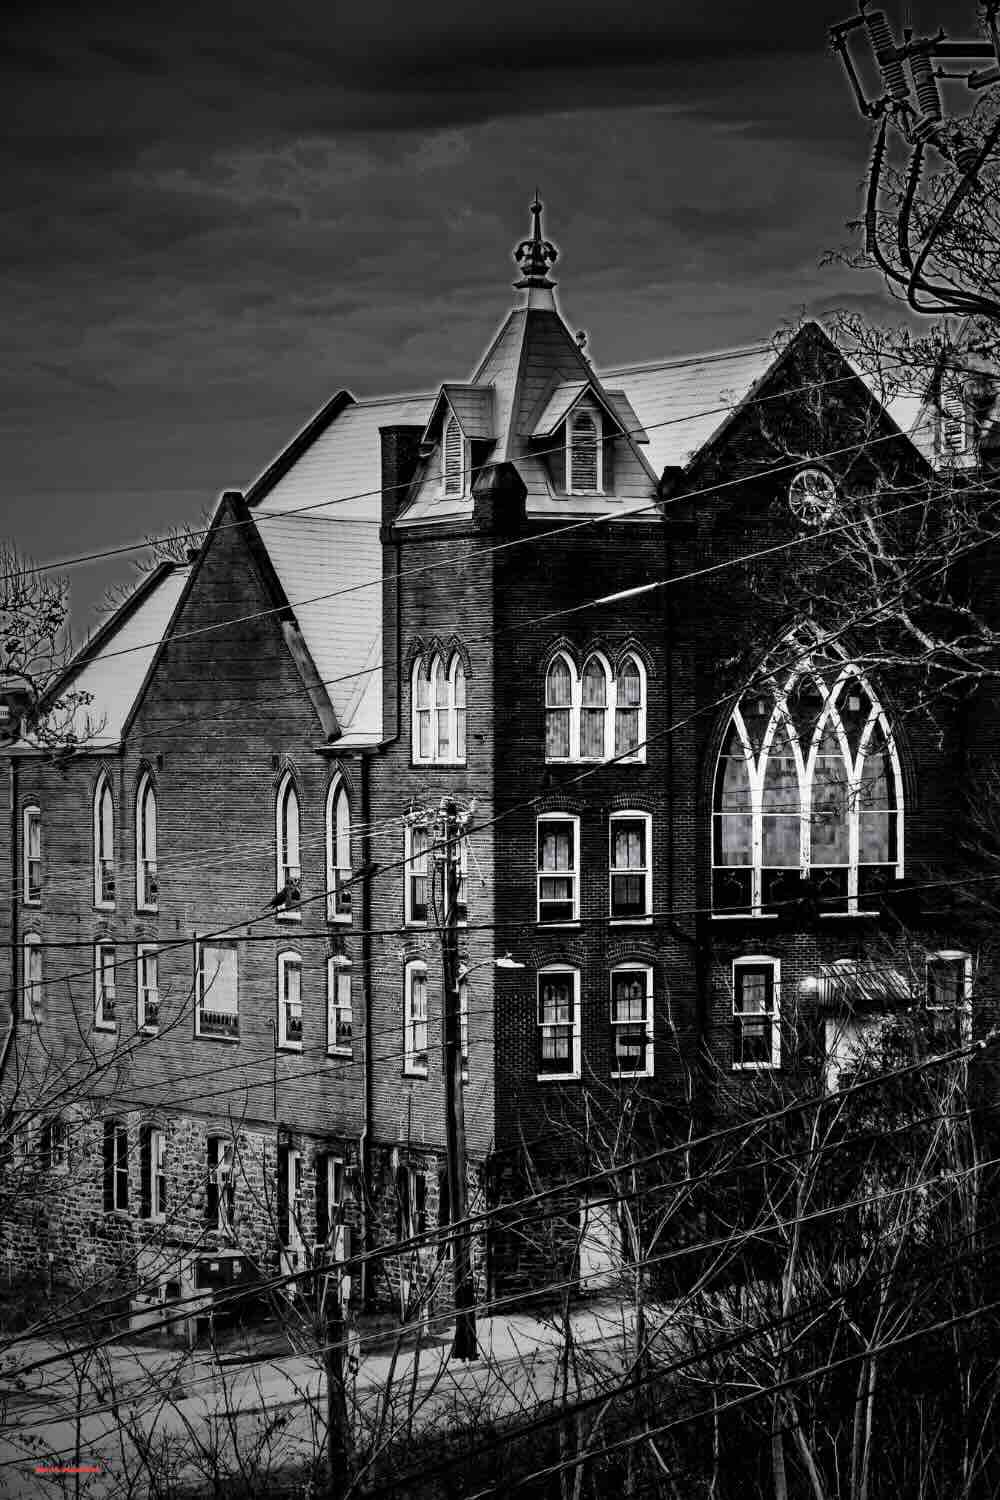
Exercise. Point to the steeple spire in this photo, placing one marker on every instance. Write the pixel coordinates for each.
(535, 256)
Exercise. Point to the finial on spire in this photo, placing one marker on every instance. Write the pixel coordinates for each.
(535, 256)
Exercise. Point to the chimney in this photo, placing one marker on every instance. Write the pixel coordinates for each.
(498, 500)
(400, 456)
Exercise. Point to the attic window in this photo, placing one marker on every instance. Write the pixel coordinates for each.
(953, 436)
(583, 454)
(452, 459)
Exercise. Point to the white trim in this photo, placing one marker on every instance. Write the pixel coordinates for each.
(289, 961)
(287, 845)
(411, 873)
(646, 1071)
(412, 1068)
(450, 491)
(202, 949)
(440, 679)
(102, 856)
(32, 813)
(338, 968)
(760, 961)
(143, 953)
(572, 874)
(157, 1139)
(146, 789)
(102, 990)
(646, 871)
(574, 1023)
(964, 1007)
(575, 709)
(31, 985)
(336, 798)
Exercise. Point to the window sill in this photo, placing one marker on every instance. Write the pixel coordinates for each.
(756, 1067)
(31, 901)
(646, 1073)
(104, 906)
(289, 1046)
(117, 1213)
(574, 922)
(210, 1036)
(149, 1030)
(109, 1026)
(631, 921)
(341, 919)
(287, 916)
(444, 764)
(557, 1077)
(744, 916)
(827, 916)
(340, 1052)
(414, 1073)
(146, 911)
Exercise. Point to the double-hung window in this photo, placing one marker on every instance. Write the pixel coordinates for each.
(632, 1021)
(218, 1012)
(104, 843)
(115, 1166)
(558, 867)
(220, 1185)
(338, 853)
(411, 1202)
(416, 867)
(439, 708)
(31, 977)
(631, 867)
(290, 1001)
(415, 1020)
(340, 1007)
(153, 1172)
(558, 1022)
(756, 1013)
(599, 714)
(288, 874)
(147, 888)
(148, 988)
(105, 993)
(54, 1148)
(949, 997)
(630, 710)
(289, 1196)
(31, 892)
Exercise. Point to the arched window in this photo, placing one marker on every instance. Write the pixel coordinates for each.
(146, 880)
(104, 843)
(338, 853)
(807, 786)
(583, 454)
(31, 874)
(438, 698)
(593, 709)
(630, 710)
(289, 870)
(452, 459)
(559, 697)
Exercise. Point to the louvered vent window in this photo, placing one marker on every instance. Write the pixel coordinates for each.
(954, 434)
(451, 461)
(584, 454)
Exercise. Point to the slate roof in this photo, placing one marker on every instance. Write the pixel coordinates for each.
(114, 664)
(473, 407)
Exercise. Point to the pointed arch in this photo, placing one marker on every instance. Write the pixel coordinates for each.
(630, 707)
(452, 458)
(807, 784)
(561, 715)
(595, 692)
(288, 868)
(146, 873)
(339, 893)
(104, 843)
(438, 686)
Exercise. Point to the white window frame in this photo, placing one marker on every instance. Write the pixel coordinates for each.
(157, 1139)
(646, 1071)
(410, 874)
(964, 1007)
(439, 672)
(339, 908)
(105, 961)
(339, 976)
(288, 962)
(759, 961)
(146, 963)
(31, 982)
(103, 857)
(32, 819)
(204, 986)
(573, 874)
(294, 1246)
(575, 709)
(805, 760)
(596, 416)
(646, 872)
(223, 1175)
(415, 1026)
(287, 846)
(451, 491)
(543, 1026)
(145, 863)
(58, 1143)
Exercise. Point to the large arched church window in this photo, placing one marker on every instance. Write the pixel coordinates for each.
(807, 787)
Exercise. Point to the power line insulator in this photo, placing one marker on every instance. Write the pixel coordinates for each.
(890, 66)
(928, 98)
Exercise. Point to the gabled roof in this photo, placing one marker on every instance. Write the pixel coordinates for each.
(568, 394)
(472, 406)
(114, 665)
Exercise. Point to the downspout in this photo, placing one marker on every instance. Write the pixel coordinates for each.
(364, 1144)
(11, 1019)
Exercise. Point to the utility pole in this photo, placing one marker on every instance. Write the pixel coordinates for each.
(331, 1332)
(448, 835)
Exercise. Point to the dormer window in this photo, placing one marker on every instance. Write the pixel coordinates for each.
(953, 426)
(452, 458)
(584, 468)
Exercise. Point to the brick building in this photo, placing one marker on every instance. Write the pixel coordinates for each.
(541, 593)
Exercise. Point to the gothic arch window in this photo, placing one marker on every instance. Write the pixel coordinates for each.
(593, 708)
(452, 459)
(338, 852)
(438, 710)
(104, 843)
(584, 468)
(630, 709)
(288, 872)
(146, 879)
(807, 786)
(595, 714)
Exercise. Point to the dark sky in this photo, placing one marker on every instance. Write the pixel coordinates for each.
(214, 216)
